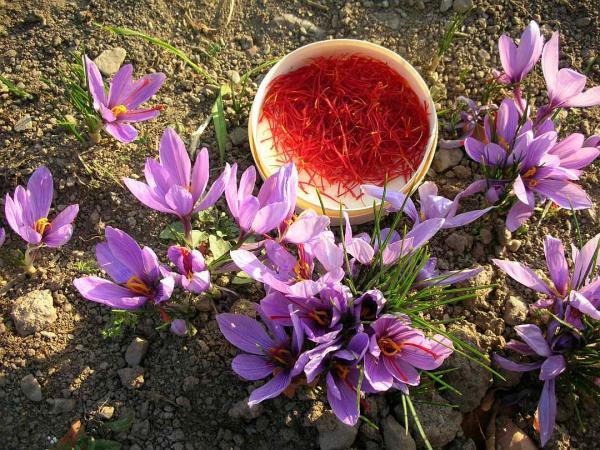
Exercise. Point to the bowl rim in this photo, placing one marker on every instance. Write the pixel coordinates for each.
(417, 176)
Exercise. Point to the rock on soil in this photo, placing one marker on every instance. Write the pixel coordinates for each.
(62, 405)
(471, 379)
(305, 26)
(106, 412)
(333, 434)
(461, 6)
(446, 158)
(109, 61)
(33, 312)
(440, 423)
(136, 351)
(132, 378)
(515, 311)
(24, 124)
(241, 410)
(238, 136)
(395, 436)
(31, 388)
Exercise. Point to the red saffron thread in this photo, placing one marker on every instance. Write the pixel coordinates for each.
(347, 120)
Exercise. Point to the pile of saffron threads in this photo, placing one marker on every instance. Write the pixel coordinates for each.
(347, 120)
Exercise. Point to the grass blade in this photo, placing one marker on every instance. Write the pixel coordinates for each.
(218, 118)
(122, 31)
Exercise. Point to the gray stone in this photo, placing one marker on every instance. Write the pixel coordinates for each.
(445, 5)
(461, 6)
(238, 136)
(132, 378)
(234, 76)
(31, 388)
(109, 61)
(33, 312)
(333, 434)
(440, 423)
(515, 311)
(395, 436)
(62, 405)
(445, 159)
(241, 410)
(24, 123)
(469, 378)
(513, 245)
(459, 241)
(294, 22)
(136, 351)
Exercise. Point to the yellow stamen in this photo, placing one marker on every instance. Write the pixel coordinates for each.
(118, 110)
(533, 183)
(422, 216)
(321, 317)
(388, 347)
(138, 286)
(531, 172)
(502, 142)
(41, 225)
(302, 270)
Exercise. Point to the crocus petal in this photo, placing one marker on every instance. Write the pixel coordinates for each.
(2, 236)
(532, 336)
(95, 83)
(249, 263)
(557, 263)
(174, 157)
(581, 303)
(464, 218)
(343, 404)
(571, 84)
(397, 200)
(65, 217)
(275, 306)
(564, 193)
(252, 367)
(401, 370)
(550, 63)
(552, 367)
(475, 149)
(270, 389)
(585, 262)
(269, 217)
(58, 236)
(180, 200)
(122, 132)
(518, 215)
(328, 253)
(103, 291)
(522, 274)
(164, 289)
(546, 411)
(423, 232)
(199, 283)
(139, 115)
(144, 194)
(142, 89)
(508, 52)
(126, 250)
(377, 374)
(40, 189)
(306, 227)
(530, 49)
(245, 333)
(120, 85)
(512, 366)
(107, 262)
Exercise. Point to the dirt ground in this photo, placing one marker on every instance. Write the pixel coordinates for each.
(190, 398)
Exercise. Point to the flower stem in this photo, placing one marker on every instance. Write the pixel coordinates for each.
(187, 230)
(30, 256)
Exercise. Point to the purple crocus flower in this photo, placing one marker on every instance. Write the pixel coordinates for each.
(135, 271)
(121, 106)
(274, 204)
(27, 212)
(173, 186)
(575, 154)
(432, 206)
(340, 362)
(517, 61)
(322, 317)
(397, 350)
(2, 236)
(576, 293)
(551, 365)
(418, 236)
(430, 275)
(291, 275)
(193, 275)
(276, 354)
(179, 327)
(358, 247)
(565, 86)
(369, 305)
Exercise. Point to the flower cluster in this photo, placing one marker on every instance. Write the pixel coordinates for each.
(573, 299)
(520, 154)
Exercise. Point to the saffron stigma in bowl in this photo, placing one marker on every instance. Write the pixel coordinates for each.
(346, 121)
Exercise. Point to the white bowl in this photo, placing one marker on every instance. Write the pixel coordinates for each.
(266, 157)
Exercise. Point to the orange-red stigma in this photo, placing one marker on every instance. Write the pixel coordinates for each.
(138, 286)
(321, 317)
(281, 355)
